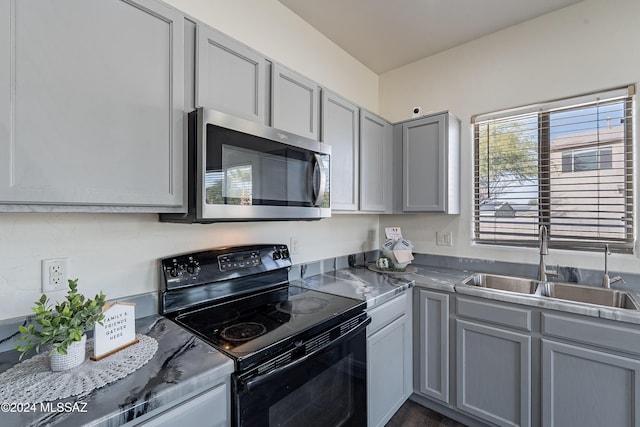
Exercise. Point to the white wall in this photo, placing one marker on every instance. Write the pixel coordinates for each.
(118, 253)
(590, 46)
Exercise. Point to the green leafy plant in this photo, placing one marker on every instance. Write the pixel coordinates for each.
(63, 324)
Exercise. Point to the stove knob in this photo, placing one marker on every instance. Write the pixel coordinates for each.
(173, 271)
(284, 253)
(276, 255)
(193, 266)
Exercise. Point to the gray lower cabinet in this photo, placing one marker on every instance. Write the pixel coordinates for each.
(493, 370)
(519, 365)
(376, 155)
(341, 129)
(92, 109)
(431, 164)
(389, 356)
(295, 102)
(431, 341)
(584, 387)
(590, 372)
(231, 77)
(494, 361)
(209, 409)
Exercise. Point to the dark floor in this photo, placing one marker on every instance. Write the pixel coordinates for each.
(413, 415)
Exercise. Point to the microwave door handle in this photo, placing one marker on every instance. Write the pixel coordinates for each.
(318, 193)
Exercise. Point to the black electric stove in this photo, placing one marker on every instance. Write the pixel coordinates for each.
(238, 299)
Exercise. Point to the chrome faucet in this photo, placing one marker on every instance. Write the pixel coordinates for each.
(544, 250)
(606, 281)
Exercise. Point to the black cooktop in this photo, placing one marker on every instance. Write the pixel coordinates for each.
(238, 299)
(255, 327)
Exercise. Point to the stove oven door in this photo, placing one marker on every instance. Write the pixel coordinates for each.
(325, 388)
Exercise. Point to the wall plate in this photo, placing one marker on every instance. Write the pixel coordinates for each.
(55, 274)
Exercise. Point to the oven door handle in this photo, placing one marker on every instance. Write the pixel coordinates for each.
(256, 382)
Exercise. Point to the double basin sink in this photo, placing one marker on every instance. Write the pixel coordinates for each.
(569, 292)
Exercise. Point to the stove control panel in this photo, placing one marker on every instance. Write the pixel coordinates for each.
(282, 253)
(177, 268)
(239, 260)
(215, 267)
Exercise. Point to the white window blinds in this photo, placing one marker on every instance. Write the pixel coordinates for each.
(566, 164)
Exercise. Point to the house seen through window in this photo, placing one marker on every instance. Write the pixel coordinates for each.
(566, 164)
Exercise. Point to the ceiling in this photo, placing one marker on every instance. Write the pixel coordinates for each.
(386, 34)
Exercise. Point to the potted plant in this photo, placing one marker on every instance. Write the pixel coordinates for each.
(62, 327)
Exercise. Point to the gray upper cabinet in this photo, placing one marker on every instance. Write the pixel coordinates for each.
(376, 155)
(231, 77)
(341, 129)
(92, 104)
(295, 102)
(431, 164)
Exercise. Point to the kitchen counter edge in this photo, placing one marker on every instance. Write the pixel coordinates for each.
(183, 366)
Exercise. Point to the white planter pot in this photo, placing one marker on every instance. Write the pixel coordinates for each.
(74, 357)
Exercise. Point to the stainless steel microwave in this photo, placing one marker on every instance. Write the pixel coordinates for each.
(240, 170)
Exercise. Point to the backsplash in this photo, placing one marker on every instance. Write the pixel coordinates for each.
(565, 274)
(147, 304)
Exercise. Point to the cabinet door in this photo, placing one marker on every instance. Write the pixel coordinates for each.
(424, 161)
(295, 101)
(340, 129)
(493, 369)
(95, 110)
(231, 77)
(431, 164)
(433, 345)
(583, 387)
(375, 163)
(209, 409)
(388, 370)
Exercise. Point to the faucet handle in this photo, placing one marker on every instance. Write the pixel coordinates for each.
(554, 273)
(616, 279)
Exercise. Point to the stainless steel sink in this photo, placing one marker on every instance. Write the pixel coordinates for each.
(502, 283)
(590, 294)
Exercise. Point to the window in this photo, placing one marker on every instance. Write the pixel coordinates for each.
(566, 164)
(233, 186)
(586, 160)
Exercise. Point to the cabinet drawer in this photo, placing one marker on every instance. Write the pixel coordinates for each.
(387, 312)
(495, 313)
(594, 333)
(208, 409)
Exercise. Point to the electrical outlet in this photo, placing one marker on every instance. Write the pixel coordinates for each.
(294, 245)
(55, 274)
(444, 238)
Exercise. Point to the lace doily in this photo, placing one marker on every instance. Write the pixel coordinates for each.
(33, 381)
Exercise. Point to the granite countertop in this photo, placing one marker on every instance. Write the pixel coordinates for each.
(358, 283)
(377, 288)
(446, 279)
(183, 365)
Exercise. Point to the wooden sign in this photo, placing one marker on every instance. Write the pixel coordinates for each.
(118, 329)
